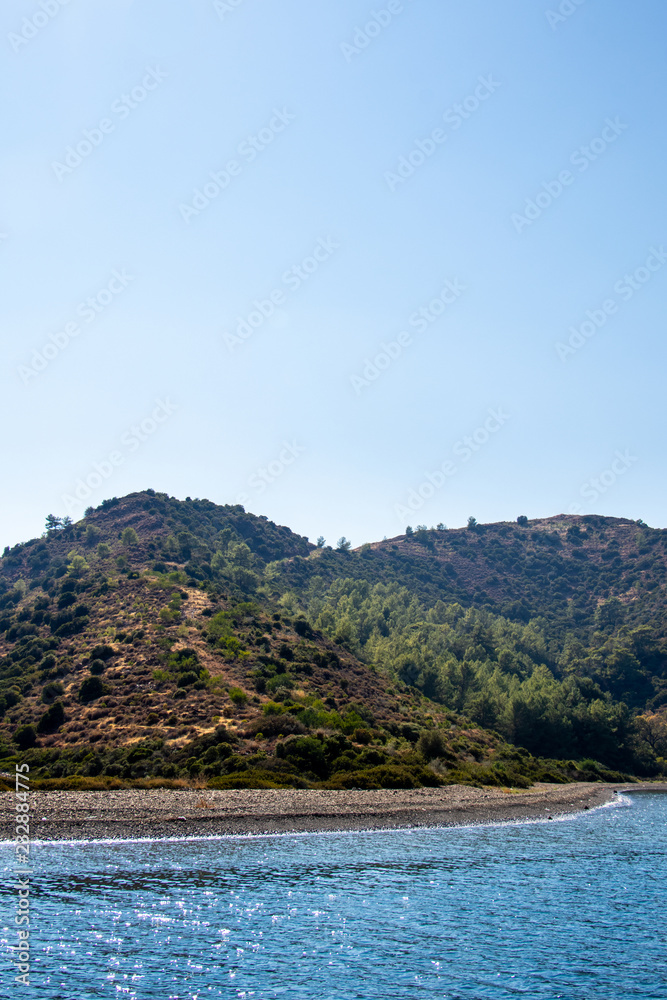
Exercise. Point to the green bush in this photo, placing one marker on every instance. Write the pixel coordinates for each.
(278, 681)
(510, 776)
(91, 688)
(11, 696)
(385, 776)
(25, 737)
(277, 725)
(257, 778)
(362, 735)
(306, 753)
(97, 667)
(102, 652)
(51, 691)
(432, 744)
(372, 757)
(92, 534)
(52, 719)
(247, 780)
(72, 627)
(185, 660)
(187, 678)
(77, 564)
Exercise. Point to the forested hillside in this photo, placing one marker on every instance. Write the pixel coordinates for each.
(562, 569)
(184, 640)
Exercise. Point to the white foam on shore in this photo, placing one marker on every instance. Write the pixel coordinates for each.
(620, 799)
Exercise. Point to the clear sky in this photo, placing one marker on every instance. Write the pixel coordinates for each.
(353, 265)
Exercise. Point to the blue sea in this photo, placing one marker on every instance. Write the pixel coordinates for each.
(573, 908)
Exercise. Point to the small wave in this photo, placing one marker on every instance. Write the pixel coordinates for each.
(619, 799)
(355, 832)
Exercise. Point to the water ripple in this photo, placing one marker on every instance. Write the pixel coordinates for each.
(570, 910)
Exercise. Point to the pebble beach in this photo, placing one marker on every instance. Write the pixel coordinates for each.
(166, 813)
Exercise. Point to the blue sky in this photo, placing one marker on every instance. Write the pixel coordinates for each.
(354, 266)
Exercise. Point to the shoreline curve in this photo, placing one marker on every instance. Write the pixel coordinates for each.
(164, 813)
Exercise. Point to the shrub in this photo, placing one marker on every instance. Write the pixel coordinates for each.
(386, 776)
(247, 780)
(510, 776)
(52, 719)
(279, 681)
(302, 627)
(25, 737)
(102, 652)
(282, 694)
(185, 661)
(92, 534)
(51, 691)
(364, 736)
(232, 645)
(78, 782)
(97, 667)
(91, 688)
(432, 744)
(272, 708)
(12, 696)
(72, 627)
(277, 725)
(77, 564)
(187, 678)
(306, 753)
(371, 757)
(238, 696)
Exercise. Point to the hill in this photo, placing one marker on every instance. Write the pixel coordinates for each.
(561, 569)
(182, 640)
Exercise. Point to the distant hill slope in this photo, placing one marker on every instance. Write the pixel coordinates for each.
(182, 638)
(561, 569)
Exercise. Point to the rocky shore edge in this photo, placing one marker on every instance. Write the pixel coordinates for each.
(166, 813)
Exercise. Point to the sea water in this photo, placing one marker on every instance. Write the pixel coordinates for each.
(572, 908)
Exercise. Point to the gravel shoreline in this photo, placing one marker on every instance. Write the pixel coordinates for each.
(162, 813)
